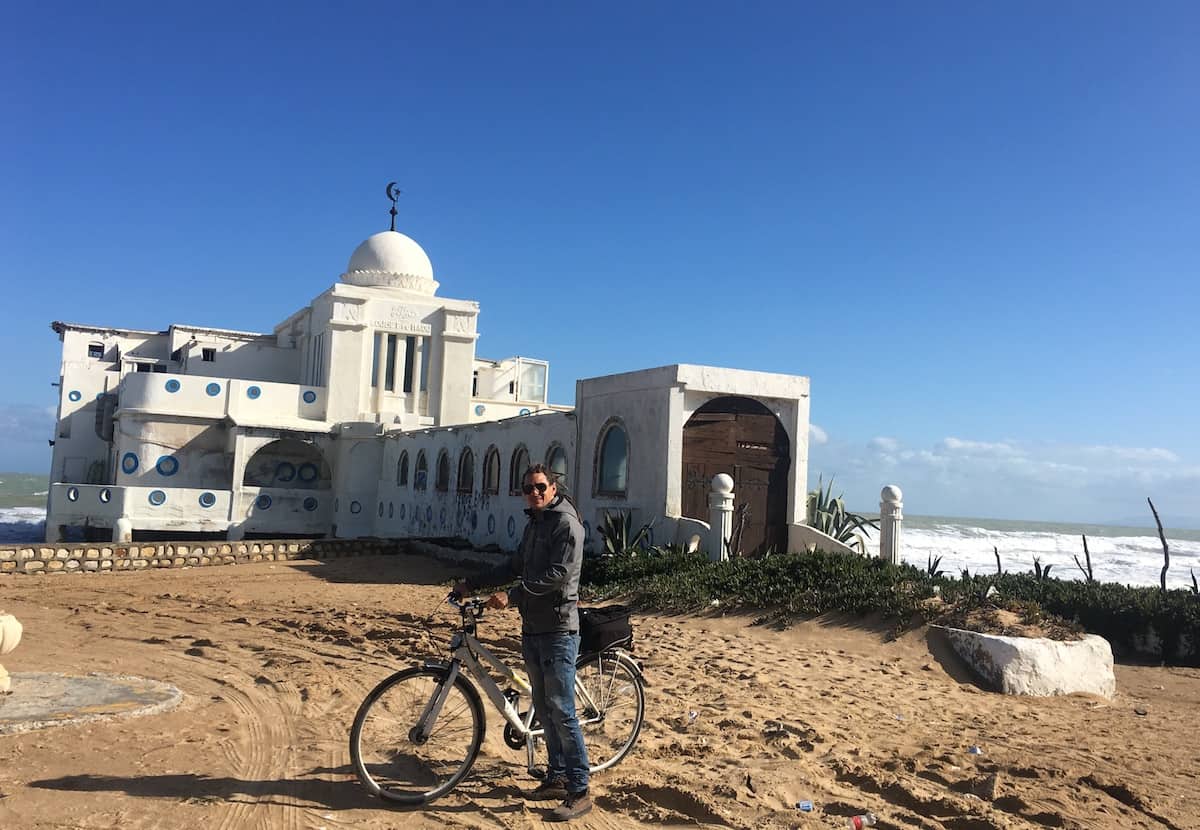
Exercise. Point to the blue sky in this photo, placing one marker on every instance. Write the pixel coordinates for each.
(974, 226)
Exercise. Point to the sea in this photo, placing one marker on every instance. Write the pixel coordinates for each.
(1131, 555)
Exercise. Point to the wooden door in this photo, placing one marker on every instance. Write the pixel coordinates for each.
(741, 437)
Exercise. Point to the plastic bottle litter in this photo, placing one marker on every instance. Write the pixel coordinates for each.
(865, 820)
(974, 750)
(692, 715)
(804, 806)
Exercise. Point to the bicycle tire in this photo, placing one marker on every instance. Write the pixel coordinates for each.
(387, 757)
(615, 685)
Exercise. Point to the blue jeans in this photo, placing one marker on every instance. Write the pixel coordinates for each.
(550, 661)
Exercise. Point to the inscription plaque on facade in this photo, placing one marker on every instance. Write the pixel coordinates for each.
(402, 319)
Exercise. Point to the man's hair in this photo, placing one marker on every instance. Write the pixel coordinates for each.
(534, 469)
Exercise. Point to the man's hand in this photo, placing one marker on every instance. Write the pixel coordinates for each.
(497, 600)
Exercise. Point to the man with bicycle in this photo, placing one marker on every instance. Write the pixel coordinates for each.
(548, 562)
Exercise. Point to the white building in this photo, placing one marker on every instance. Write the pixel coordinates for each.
(368, 413)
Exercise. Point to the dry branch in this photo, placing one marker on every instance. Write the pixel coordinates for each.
(1162, 579)
(1087, 574)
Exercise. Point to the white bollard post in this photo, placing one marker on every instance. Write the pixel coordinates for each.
(123, 531)
(720, 516)
(890, 518)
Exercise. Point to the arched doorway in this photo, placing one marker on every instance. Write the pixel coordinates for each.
(743, 438)
(287, 463)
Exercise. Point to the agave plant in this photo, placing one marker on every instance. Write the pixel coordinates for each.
(1042, 572)
(934, 567)
(616, 531)
(829, 515)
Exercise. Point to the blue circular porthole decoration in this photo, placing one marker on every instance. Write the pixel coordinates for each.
(168, 465)
(72, 494)
(158, 498)
(429, 513)
(512, 526)
(213, 389)
(307, 472)
(480, 409)
(252, 392)
(129, 463)
(285, 471)
(391, 510)
(310, 504)
(442, 517)
(309, 396)
(355, 507)
(474, 520)
(263, 502)
(524, 410)
(491, 523)
(381, 510)
(172, 385)
(106, 495)
(74, 394)
(207, 499)
(403, 509)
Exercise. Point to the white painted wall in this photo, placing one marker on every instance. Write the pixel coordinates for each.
(312, 377)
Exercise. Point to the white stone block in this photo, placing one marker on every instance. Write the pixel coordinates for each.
(1038, 666)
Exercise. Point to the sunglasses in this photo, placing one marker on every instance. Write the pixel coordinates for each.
(541, 487)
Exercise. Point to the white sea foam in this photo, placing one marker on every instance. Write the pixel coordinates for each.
(1134, 560)
(22, 524)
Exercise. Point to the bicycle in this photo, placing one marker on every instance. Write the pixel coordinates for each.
(417, 734)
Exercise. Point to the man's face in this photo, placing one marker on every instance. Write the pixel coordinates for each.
(538, 491)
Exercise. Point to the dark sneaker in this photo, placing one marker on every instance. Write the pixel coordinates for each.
(575, 805)
(552, 789)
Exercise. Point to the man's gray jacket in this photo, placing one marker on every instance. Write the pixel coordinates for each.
(548, 562)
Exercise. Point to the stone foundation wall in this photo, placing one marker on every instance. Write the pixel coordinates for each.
(93, 557)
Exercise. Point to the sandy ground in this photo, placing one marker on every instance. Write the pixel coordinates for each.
(273, 660)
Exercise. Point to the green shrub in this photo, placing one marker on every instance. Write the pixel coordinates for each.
(808, 584)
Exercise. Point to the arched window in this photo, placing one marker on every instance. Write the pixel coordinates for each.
(402, 470)
(442, 482)
(491, 472)
(556, 460)
(520, 463)
(421, 472)
(466, 471)
(613, 457)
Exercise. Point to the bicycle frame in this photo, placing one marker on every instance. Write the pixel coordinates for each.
(463, 649)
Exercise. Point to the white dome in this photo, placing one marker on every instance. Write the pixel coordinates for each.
(391, 259)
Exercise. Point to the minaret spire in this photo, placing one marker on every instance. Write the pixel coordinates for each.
(393, 193)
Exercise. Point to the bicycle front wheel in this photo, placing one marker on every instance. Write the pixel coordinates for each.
(391, 760)
(610, 704)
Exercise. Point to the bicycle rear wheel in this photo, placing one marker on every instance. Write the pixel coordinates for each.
(612, 711)
(387, 759)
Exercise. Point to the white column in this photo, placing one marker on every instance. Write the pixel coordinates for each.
(418, 357)
(123, 531)
(720, 517)
(380, 368)
(890, 518)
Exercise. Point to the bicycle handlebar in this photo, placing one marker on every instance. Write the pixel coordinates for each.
(473, 605)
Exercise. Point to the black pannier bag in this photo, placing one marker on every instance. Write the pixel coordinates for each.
(604, 627)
